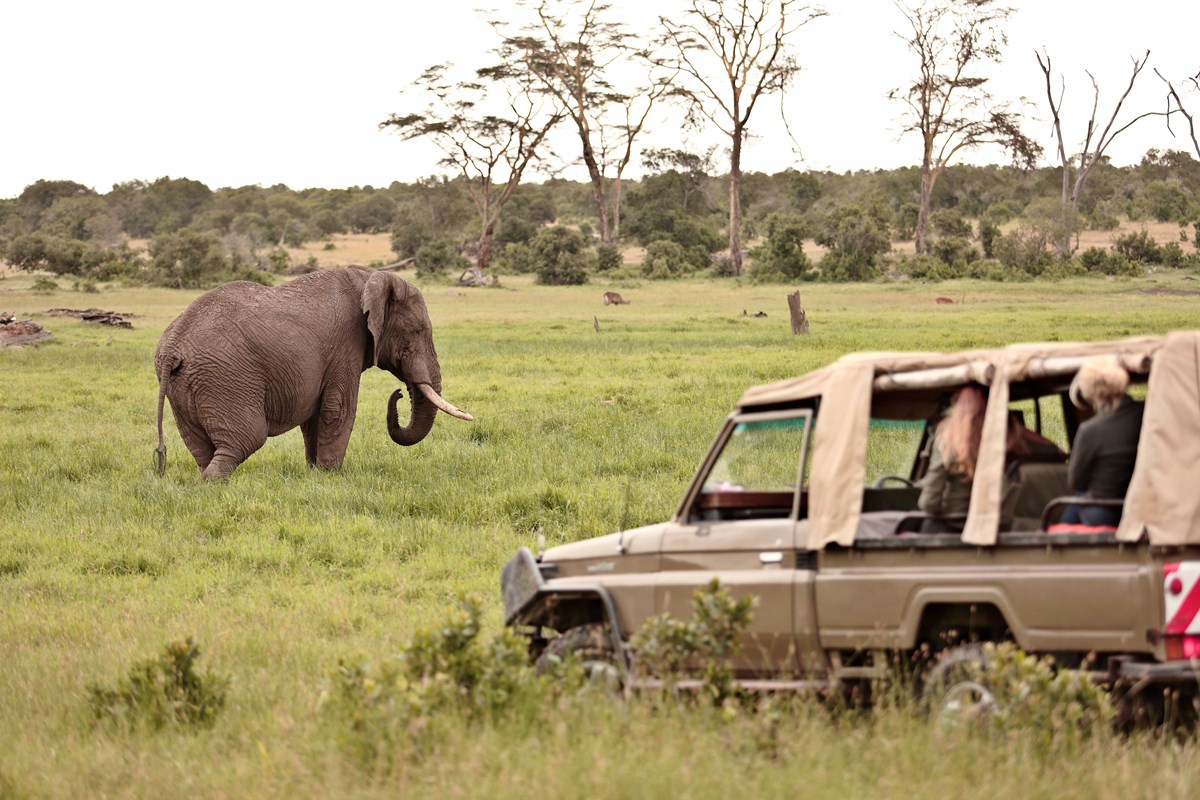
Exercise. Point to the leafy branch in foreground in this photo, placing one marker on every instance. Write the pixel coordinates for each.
(670, 648)
(162, 690)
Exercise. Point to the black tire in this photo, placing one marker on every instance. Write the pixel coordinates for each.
(955, 692)
(590, 645)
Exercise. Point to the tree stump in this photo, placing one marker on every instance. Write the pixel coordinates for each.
(799, 318)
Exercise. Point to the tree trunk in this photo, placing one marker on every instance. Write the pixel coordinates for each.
(927, 178)
(735, 204)
(589, 159)
(616, 210)
(799, 318)
(483, 258)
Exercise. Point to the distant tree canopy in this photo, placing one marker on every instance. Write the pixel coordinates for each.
(179, 232)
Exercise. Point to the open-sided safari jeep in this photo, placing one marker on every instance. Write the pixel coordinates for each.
(807, 502)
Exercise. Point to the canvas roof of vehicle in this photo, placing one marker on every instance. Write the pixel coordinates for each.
(1162, 502)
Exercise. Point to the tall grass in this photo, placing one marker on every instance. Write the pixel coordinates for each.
(281, 570)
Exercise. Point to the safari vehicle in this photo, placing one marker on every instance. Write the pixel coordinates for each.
(807, 501)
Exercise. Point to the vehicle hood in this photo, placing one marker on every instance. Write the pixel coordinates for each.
(637, 541)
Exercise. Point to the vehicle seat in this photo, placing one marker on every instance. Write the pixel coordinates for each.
(1035, 484)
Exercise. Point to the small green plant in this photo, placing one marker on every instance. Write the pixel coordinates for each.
(162, 690)
(669, 649)
(444, 672)
(44, 285)
(85, 285)
(1060, 708)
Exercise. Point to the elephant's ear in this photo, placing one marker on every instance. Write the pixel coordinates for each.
(375, 297)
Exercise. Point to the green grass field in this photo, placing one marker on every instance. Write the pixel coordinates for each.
(282, 570)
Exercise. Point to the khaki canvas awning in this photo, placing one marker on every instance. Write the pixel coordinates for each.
(1164, 498)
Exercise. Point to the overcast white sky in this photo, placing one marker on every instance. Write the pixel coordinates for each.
(237, 92)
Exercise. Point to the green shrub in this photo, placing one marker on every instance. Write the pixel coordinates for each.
(513, 258)
(855, 235)
(162, 690)
(989, 231)
(781, 256)
(188, 259)
(608, 257)
(1139, 247)
(556, 254)
(948, 222)
(667, 648)
(840, 268)
(435, 259)
(1023, 252)
(1094, 259)
(665, 259)
(929, 268)
(279, 260)
(955, 251)
(44, 285)
(448, 671)
(1060, 708)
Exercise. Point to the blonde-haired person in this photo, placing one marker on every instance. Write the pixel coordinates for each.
(1105, 447)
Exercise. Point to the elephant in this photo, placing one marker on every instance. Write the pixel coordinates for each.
(245, 361)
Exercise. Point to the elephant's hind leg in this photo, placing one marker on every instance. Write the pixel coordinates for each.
(237, 441)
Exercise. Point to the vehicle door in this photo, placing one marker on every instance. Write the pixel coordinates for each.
(739, 524)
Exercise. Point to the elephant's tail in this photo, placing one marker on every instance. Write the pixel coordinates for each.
(165, 369)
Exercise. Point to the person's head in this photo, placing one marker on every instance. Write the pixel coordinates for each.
(1100, 384)
(960, 433)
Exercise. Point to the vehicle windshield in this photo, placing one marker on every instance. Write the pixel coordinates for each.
(760, 456)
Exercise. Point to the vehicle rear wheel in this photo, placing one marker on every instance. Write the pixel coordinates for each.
(956, 692)
(591, 646)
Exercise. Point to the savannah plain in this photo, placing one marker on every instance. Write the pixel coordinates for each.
(282, 570)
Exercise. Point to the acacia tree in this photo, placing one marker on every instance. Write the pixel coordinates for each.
(1095, 141)
(1175, 104)
(490, 150)
(572, 51)
(745, 40)
(949, 106)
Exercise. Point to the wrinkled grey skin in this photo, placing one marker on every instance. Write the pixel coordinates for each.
(244, 362)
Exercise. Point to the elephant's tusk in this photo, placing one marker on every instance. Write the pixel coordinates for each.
(437, 400)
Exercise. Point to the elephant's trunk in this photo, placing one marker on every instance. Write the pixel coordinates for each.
(420, 421)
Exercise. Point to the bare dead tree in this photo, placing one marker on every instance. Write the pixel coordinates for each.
(949, 106)
(747, 40)
(491, 151)
(1175, 104)
(1095, 141)
(572, 51)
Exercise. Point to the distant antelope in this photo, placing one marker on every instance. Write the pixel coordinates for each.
(614, 299)
(943, 300)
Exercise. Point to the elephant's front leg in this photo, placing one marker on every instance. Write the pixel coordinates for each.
(327, 433)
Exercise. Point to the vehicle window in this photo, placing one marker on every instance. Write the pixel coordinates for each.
(1054, 426)
(760, 456)
(892, 446)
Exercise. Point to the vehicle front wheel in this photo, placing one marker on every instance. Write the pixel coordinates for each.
(590, 646)
(956, 692)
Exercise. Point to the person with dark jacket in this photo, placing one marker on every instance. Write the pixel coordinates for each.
(1105, 447)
